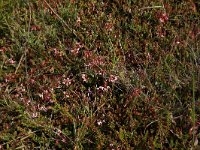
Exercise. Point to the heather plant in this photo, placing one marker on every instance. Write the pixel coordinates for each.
(99, 74)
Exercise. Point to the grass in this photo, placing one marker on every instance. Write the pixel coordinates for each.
(99, 75)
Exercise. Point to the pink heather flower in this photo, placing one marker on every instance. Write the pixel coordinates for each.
(41, 95)
(99, 60)
(163, 18)
(105, 89)
(56, 52)
(23, 89)
(11, 61)
(75, 50)
(66, 81)
(66, 95)
(101, 72)
(78, 21)
(87, 54)
(59, 131)
(34, 115)
(42, 108)
(84, 77)
(64, 140)
(100, 88)
(35, 28)
(113, 78)
(149, 56)
(100, 122)
(3, 49)
(32, 81)
(177, 42)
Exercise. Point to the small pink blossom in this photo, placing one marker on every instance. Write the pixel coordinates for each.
(34, 115)
(163, 18)
(66, 95)
(42, 108)
(66, 81)
(75, 50)
(109, 26)
(3, 49)
(35, 28)
(87, 54)
(78, 21)
(113, 78)
(101, 72)
(32, 81)
(11, 61)
(149, 57)
(100, 122)
(55, 50)
(101, 88)
(57, 53)
(84, 77)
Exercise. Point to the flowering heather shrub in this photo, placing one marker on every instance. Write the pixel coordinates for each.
(99, 74)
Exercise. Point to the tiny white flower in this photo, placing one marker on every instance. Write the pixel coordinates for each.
(99, 122)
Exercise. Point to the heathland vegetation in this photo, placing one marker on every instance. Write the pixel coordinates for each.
(96, 74)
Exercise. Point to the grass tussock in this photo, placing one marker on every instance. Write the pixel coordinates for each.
(99, 74)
